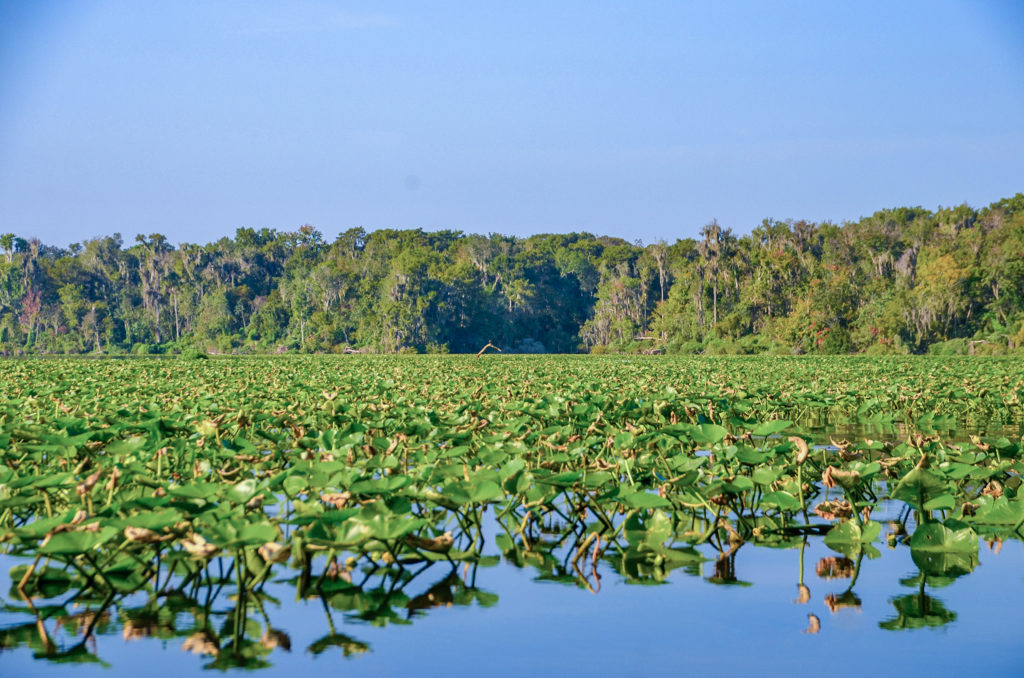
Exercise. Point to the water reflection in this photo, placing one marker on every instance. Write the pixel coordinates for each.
(221, 609)
(917, 611)
(224, 616)
(222, 613)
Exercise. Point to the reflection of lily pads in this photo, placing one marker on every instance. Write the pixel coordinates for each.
(835, 568)
(646, 563)
(77, 654)
(45, 582)
(944, 563)
(349, 646)
(934, 581)
(917, 611)
(848, 538)
(725, 571)
(838, 601)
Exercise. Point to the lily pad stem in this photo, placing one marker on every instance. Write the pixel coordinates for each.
(711, 528)
(800, 492)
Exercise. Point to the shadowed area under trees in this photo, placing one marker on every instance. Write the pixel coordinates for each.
(905, 280)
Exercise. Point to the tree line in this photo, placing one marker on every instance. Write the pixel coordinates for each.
(903, 280)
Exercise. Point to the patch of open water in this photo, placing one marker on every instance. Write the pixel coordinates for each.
(502, 621)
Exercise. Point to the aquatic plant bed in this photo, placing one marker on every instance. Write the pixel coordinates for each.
(271, 512)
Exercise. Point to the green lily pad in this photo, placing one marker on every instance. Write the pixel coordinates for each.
(850, 533)
(771, 427)
(952, 536)
(73, 543)
(781, 500)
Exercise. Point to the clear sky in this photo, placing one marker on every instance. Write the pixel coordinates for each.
(639, 119)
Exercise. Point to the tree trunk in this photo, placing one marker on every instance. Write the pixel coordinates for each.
(177, 327)
(700, 309)
(714, 291)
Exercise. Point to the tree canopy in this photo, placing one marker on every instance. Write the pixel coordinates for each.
(903, 280)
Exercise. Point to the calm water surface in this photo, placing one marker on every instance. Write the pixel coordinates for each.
(744, 614)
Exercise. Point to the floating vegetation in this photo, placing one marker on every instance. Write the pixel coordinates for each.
(143, 492)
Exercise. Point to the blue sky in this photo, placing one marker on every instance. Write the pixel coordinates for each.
(643, 120)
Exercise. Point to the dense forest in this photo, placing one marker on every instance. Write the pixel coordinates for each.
(905, 280)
